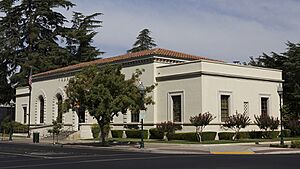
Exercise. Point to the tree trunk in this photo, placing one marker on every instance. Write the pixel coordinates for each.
(198, 134)
(102, 134)
(165, 138)
(235, 134)
(57, 138)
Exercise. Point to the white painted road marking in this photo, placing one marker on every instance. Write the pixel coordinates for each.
(92, 161)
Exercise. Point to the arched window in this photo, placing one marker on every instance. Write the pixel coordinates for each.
(42, 111)
(59, 108)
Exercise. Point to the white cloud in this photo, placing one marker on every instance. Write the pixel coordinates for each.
(228, 30)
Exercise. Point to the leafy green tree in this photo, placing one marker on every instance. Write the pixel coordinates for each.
(56, 129)
(105, 93)
(144, 42)
(289, 62)
(200, 122)
(237, 122)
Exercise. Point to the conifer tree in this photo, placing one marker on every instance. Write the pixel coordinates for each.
(288, 62)
(144, 42)
(80, 37)
(32, 33)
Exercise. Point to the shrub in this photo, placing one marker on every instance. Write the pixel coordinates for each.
(95, 130)
(265, 122)
(295, 144)
(287, 133)
(17, 127)
(117, 133)
(200, 122)
(168, 128)
(191, 136)
(294, 126)
(243, 135)
(273, 134)
(237, 122)
(225, 135)
(256, 134)
(132, 126)
(155, 134)
(136, 134)
(208, 136)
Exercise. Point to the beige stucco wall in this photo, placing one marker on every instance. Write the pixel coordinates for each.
(22, 101)
(200, 84)
(203, 82)
(48, 89)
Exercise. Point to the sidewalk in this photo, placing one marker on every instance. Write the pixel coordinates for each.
(237, 148)
(168, 148)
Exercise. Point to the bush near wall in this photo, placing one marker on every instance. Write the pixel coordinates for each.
(243, 135)
(256, 134)
(117, 133)
(295, 144)
(136, 134)
(155, 134)
(225, 135)
(20, 128)
(250, 135)
(287, 133)
(95, 130)
(192, 136)
(17, 127)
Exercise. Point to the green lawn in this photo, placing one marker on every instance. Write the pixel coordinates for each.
(204, 142)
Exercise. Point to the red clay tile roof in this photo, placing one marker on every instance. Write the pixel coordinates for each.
(151, 52)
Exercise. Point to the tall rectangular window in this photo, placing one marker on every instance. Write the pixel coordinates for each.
(224, 107)
(176, 100)
(135, 117)
(42, 111)
(25, 114)
(246, 108)
(264, 105)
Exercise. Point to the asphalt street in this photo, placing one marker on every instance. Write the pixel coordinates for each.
(46, 156)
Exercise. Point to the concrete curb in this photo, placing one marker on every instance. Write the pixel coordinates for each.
(166, 148)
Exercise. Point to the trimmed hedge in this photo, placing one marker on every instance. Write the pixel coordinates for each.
(192, 136)
(295, 144)
(136, 134)
(256, 134)
(155, 134)
(273, 134)
(209, 136)
(117, 133)
(225, 135)
(95, 130)
(249, 135)
(287, 133)
(20, 128)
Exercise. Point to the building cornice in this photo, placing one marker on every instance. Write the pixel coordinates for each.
(201, 73)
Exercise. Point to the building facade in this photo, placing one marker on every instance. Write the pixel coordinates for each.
(186, 86)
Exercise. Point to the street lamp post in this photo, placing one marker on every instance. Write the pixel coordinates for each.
(142, 92)
(280, 93)
(11, 103)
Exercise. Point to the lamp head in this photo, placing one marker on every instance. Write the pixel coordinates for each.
(11, 103)
(141, 88)
(280, 90)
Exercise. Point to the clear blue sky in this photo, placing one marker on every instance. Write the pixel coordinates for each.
(221, 29)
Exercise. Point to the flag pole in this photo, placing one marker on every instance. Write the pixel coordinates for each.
(30, 88)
